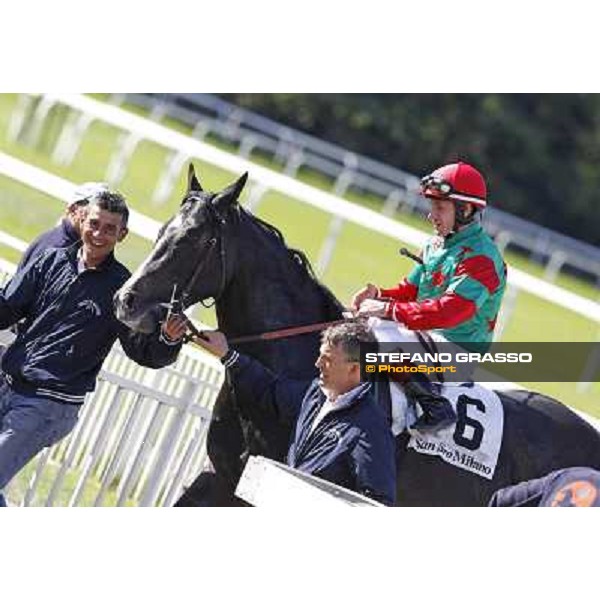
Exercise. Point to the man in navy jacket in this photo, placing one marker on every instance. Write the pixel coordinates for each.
(341, 434)
(65, 299)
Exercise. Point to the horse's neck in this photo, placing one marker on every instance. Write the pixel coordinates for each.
(271, 295)
(270, 289)
(254, 303)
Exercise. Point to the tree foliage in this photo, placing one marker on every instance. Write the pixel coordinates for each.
(540, 153)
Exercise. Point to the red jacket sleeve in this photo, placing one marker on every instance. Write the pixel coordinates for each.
(445, 312)
(404, 292)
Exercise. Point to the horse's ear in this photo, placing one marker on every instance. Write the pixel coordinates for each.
(193, 183)
(226, 198)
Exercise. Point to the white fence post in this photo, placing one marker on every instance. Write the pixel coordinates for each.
(169, 175)
(508, 307)
(32, 134)
(255, 197)
(328, 248)
(117, 167)
(71, 137)
(18, 118)
(557, 260)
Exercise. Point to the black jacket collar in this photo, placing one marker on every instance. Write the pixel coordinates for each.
(109, 262)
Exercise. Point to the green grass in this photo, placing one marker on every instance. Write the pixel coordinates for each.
(91, 488)
(360, 255)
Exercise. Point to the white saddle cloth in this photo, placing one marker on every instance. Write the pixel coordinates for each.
(473, 442)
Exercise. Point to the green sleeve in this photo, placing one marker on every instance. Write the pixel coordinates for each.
(415, 275)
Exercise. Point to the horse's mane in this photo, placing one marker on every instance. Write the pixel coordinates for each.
(298, 256)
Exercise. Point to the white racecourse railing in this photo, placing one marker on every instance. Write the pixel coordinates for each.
(183, 146)
(140, 436)
(255, 135)
(63, 190)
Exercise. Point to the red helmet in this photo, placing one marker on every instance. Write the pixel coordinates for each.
(459, 182)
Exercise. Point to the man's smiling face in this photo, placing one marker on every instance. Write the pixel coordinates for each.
(101, 230)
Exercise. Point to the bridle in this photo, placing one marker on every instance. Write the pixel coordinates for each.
(211, 243)
(178, 303)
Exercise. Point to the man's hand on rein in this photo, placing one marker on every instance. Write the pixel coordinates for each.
(174, 328)
(215, 342)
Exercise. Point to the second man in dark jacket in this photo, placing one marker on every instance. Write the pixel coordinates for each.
(341, 434)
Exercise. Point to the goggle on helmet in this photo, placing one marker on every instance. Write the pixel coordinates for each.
(457, 181)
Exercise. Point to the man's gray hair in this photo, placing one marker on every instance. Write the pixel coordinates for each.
(349, 336)
(113, 202)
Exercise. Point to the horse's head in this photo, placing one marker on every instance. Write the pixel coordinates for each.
(190, 255)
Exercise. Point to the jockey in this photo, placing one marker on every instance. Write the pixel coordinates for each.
(458, 287)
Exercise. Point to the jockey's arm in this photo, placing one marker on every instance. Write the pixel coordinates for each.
(445, 312)
(405, 291)
(473, 282)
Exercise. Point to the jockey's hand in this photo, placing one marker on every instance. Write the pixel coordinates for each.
(174, 328)
(215, 342)
(369, 292)
(372, 308)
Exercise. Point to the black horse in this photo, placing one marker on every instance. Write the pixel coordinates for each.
(213, 248)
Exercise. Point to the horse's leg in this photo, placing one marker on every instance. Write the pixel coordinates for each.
(226, 442)
(226, 449)
(265, 436)
(209, 489)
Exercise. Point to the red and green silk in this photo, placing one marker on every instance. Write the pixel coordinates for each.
(457, 291)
